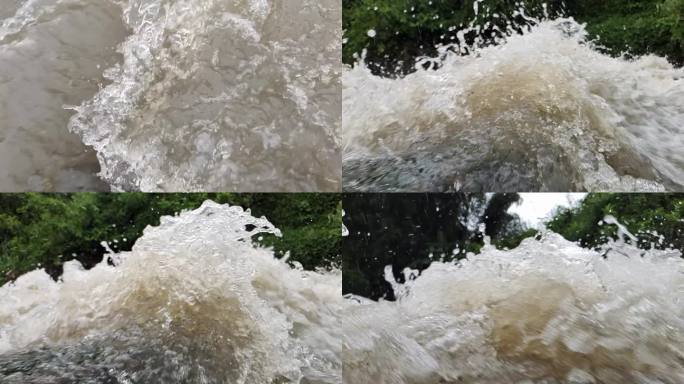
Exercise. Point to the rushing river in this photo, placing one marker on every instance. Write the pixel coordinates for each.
(539, 111)
(547, 312)
(162, 95)
(193, 302)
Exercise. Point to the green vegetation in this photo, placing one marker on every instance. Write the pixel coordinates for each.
(402, 230)
(46, 230)
(406, 29)
(413, 230)
(636, 27)
(647, 216)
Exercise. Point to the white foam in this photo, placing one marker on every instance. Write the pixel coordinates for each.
(259, 84)
(218, 303)
(545, 312)
(539, 111)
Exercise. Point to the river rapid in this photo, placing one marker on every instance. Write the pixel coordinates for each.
(170, 95)
(194, 301)
(547, 312)
(540, 109)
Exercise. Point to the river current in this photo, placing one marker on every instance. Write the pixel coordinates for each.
(194, 301)
(170, 95)
(546, 312)
(540, 109)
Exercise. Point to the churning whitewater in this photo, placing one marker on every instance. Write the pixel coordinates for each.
(161, 95)
(546, 312)
(541, 110)
(193, 302)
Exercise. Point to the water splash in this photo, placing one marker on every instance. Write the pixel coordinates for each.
(216, 95)
(539, 110)
(194, 301)
(345, 231)
(175, 95)
(47, 62)
(545, 312)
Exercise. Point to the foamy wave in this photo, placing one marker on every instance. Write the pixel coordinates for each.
(194, 301)
(545, 312)
(216, 95)
(539, 111)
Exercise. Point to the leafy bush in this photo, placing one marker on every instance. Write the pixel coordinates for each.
(647, 216)
(637, 27)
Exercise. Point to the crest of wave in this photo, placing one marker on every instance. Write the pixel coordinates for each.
(539, 110)
(545, 312)
(194, 301)
(220, 95)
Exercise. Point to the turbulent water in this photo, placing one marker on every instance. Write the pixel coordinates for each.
(539, 111)
(194, 302)
(170, 95)
(546, 312)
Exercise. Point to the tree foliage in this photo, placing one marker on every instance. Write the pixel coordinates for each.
(657, 220)
(46, 230)
(413, 230)
(407, 29)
